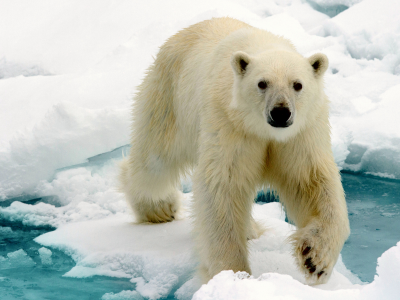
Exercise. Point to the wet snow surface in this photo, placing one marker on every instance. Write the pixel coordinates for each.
(68, 70)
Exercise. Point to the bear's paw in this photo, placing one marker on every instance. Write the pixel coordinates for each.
(157, 211)
(316, 254)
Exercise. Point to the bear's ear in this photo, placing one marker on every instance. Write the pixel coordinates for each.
(319, 62)
(239, 62)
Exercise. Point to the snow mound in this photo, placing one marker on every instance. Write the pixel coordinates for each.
(45, 256)
(375, 147)
(11, 69)
(67, 135)
(80, 194)
(386, 282)
(371, 29)
(228, 285)
(16, 259)
(124, 295)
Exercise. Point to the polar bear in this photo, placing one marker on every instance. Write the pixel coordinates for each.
(244, 109)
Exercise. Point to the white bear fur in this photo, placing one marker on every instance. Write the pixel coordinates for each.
(197, 108)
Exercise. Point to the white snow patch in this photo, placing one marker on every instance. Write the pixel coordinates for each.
(371, 30)
(67, 135)
(228, 285)
(124, 295)
(45, 256)
(16, 259)
(84, 193)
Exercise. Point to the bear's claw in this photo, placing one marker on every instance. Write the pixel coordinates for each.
(309, 265)
(161, 214)
(314, 255)
(157, 211)
(306, 250)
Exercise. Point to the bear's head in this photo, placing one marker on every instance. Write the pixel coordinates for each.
(278, 92)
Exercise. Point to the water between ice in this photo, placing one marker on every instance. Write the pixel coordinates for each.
(29, 271)
(374, 213)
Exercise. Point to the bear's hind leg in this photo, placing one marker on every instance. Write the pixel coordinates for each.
(163, 145)
(150, 187)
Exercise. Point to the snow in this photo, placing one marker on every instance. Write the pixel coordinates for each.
(157, 258)
(228, 285)
(379, 39)
(68, 97)
(66, 135)
(79, 194)
(68, 70)
(124, 295)
(16, 259)
(45, 256)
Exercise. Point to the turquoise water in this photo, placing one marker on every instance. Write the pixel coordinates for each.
(374, 212)
(29, 278)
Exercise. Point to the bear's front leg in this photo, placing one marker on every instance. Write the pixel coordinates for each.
(318, 207)
(222, 220)
(224, 188)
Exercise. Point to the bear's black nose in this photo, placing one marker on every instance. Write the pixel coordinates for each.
(279, 117)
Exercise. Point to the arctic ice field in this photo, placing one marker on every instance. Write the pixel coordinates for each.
(68, 73)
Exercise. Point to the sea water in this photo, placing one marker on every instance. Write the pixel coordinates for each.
(30, 271)
(374, 213)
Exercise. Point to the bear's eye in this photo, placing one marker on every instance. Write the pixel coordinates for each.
(262, 84)
(297, 86)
